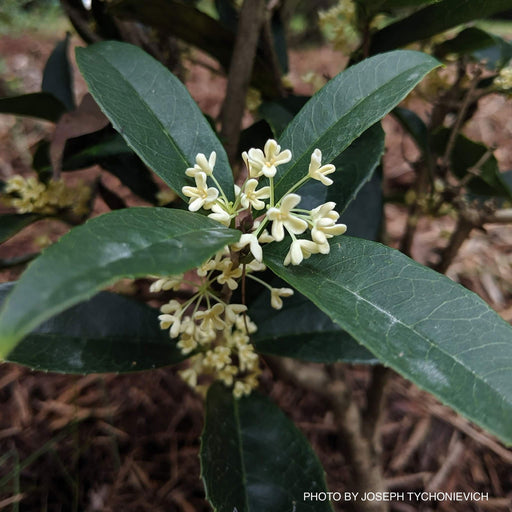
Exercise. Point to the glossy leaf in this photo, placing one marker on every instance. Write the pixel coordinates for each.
(480, 44)
(434, 19)
(153, 111)
(132, 243)
(465, 155)
(12, 223)
(108, 333)
(363, 216)
(429, 329)
(300, 330)
(186, 22)
(38, 104)
(280, 113)
(57, 75)
(254, 459)
(346, 107)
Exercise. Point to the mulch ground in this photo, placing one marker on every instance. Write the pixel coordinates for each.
(130, 442)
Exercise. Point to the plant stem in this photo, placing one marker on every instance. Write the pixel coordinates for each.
(252, 16)
(460, 233)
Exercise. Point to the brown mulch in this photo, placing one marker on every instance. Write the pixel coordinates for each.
(130, 442)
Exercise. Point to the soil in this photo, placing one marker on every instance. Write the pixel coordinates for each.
(130, 442)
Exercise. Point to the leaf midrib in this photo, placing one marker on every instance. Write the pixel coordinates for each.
(151, 112)
(427, 339)
(236, 411)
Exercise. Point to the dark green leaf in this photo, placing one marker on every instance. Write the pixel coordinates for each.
(354, 168)
(414, 126)
(12, 223)
(197, 28)
(279, 40)
(254, 459)
(420, 323)
(480, 44)
(363, 216)
(300, 330)
(105, 148)
(280, 113)
(127, 243)
(38, 104)
(153, 111)
(401, 4)
(432, 20)
(108, 333)
(228, 14)
(57, 75)
(465, 155)
(347, 106)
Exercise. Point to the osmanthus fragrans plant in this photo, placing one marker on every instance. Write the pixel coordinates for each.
(256, 265)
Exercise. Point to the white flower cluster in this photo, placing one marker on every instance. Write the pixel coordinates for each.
(283, 214)
(29, 195)
(207, 324)
(504, 80)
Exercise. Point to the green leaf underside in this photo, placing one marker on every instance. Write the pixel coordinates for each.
(108, 333)
(153, 111)
(38, 104)
(346, 106)
(300, 330)
(57, 75)
(128, 243)
(433, 20)
(420, 323)
(12, 223)
(254, 459)
(354, 167)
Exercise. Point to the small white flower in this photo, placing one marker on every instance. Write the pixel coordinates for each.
(246, 357)
(233, 311)
(210, 318)
(202, 165)
(324, 223)
(252, 197)
(276, 294)
(265, 162)
(189, 376)
(220, 215)
(251, 240)
(172, 321)
(187, 344)
(229, 274)
(282, 217)
(241, 389)
(317, 171)
(300, 250)
(201, 196)
(166, 283)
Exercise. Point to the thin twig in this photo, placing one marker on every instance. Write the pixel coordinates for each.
(468, 100)
(456, 452)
